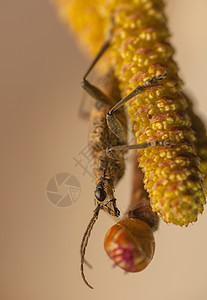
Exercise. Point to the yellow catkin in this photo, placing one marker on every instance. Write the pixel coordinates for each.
(140, 49)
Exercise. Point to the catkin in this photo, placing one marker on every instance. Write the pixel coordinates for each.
(140, 49)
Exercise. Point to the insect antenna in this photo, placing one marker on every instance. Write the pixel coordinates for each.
(84, 243)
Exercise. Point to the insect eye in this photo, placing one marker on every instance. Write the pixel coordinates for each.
(100, 194)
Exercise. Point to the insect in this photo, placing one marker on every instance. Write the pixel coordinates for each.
(108, 171)
(130, 242)
(108, 163)
(140, 49)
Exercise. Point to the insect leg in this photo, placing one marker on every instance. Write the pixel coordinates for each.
(96, 59)
(112, 121)
(137, 91)
(162, 143)
(89, 88)
(103, 49)
(92, 90)
(95, 92)
(84, 109)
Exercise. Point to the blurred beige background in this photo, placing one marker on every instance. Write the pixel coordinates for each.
(41, 68)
